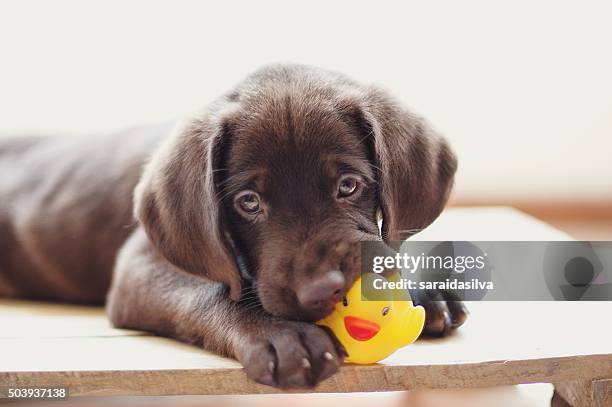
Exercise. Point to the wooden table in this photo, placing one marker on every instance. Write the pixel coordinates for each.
(568, 344)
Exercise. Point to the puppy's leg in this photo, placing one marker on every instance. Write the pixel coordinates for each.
(150, 294)
(444, 312)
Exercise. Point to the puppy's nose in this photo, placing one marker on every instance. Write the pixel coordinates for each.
(323, 291)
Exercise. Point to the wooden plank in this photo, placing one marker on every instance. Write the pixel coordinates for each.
(494, 332)
(597, 393)
(489, 351)
(576, 393)
(602, 392)
(350, 379)
(20, 319)
(502, 343)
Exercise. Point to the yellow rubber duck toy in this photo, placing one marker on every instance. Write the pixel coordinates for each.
(371, 330)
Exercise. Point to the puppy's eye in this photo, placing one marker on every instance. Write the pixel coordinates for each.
(248, 202)
(348, 186)
(385, 311)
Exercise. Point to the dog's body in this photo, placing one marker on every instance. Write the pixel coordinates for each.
(249, 217)
(65, 211)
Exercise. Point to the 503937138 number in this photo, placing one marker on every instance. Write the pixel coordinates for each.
(41, 393)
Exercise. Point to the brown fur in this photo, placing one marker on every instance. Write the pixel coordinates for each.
(192, 267)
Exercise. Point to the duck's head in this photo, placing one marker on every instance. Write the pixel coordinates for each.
(363, 319)
(372, 326)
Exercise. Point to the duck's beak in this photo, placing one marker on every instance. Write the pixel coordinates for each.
(360, 329)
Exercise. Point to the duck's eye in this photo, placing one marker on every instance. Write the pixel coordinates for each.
(385, 311)
(345, 302)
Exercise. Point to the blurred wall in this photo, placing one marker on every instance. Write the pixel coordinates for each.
(523, 89)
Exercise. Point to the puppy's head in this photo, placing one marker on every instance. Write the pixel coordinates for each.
(288, 173)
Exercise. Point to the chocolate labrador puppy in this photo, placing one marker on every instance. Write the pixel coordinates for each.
(249, 217)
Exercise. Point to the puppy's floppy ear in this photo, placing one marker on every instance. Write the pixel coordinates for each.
(416, 167)
(176, 202)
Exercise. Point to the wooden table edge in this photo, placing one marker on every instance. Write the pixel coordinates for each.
(351, 378)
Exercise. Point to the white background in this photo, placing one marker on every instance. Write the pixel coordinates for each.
(522, 89)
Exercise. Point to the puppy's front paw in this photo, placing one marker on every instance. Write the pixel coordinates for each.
(290, 354)
(444, 312)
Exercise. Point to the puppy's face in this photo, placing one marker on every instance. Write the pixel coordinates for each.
(292, 166)
(299, 193)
